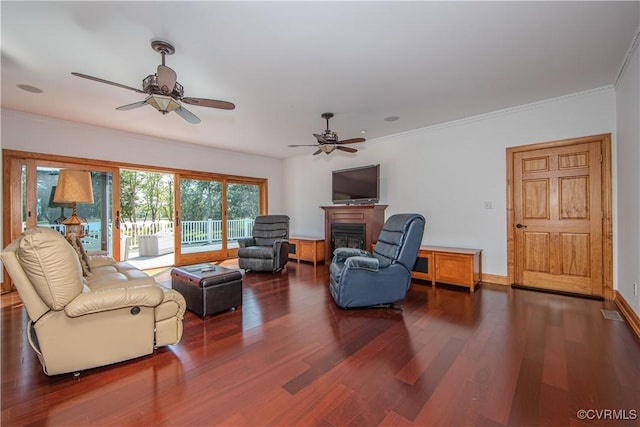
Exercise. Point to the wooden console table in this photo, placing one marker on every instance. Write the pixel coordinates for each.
(306, 249)
(455, 266)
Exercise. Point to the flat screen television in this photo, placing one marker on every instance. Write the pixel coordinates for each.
(356, 185)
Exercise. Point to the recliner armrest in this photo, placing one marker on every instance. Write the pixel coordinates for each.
(100, 260)
(245, 242)
(362, 263)
(113, 299)
(342, 254)
(278, 242)
(281, 252)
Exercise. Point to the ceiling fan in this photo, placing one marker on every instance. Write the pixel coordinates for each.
(328, 140)
(163, 91)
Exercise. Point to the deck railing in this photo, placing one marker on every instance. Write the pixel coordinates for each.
(193, 232)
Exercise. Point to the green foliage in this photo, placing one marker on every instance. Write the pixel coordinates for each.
(146, 196)
(200, 200)
(128, 194)
(243, 201)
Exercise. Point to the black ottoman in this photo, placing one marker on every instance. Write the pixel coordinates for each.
(208, 288)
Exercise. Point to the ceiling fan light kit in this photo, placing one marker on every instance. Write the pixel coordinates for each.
(327, 148)
(164, 92)
(162, 103)
(328, 141)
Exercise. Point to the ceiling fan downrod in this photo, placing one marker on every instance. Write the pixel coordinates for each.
(327, 116)
(163, 48)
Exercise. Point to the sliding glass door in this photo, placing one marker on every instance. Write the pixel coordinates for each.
(199, 220)
(243, 205)
(98, 233)
(167, 216)
(34, 193)
(147, 218)
(185, 218)
(213, 214)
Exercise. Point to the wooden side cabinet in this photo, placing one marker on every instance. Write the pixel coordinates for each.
(454, 266)
(306, 249)
(423, 269)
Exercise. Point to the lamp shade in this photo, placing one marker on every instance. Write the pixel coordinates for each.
(74, 186)
(53, 203)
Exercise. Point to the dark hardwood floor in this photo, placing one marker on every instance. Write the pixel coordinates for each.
(290, 357)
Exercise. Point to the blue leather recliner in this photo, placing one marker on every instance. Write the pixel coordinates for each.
(361, 279)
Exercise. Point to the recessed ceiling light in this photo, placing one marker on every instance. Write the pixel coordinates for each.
(363, 131)
(391, 118)
(29, 88)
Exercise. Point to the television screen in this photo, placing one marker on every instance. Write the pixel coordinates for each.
(356, 185)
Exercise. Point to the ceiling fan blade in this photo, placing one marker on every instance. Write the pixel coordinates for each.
(187, 115)
(96, 79)
(303, 145)
(347, 149)
(317, 152)
(320, 139)
(351, 141)
(166, 78)
(132, 106)
(211, 103)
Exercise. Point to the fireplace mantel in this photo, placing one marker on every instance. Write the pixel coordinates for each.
(370, 215)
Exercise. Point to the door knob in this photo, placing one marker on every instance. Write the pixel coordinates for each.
(521, 226)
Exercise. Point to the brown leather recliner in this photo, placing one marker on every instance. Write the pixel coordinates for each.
(115, 313)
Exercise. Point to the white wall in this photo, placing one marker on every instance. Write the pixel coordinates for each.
(444, 172)
(28, 132)
(628, 176)
(447, 172)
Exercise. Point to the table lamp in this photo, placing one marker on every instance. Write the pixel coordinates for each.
(62, 206)
(74, 186)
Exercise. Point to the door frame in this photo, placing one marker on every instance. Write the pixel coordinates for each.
(606, 194)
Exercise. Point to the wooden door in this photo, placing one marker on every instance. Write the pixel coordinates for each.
(558, 218)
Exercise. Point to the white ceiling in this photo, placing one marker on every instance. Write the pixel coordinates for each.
(285, 63)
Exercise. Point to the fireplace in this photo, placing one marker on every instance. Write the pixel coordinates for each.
(348, 236)
(361, 225)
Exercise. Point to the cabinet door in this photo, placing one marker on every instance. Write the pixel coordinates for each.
(306, 251)
(454, 269)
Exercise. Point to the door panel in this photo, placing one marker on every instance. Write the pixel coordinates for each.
(199, 225)
(536, 199)
(557, 212)
(98, 215)
(575, 254)
(537, 253)
(32, 193)
(243, 206)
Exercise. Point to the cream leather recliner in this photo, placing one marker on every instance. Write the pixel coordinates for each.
(115, 313)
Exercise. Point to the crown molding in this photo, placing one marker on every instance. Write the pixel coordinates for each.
(497, 113)
(630, 52)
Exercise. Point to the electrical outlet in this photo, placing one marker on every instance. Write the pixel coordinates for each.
(488, 205)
